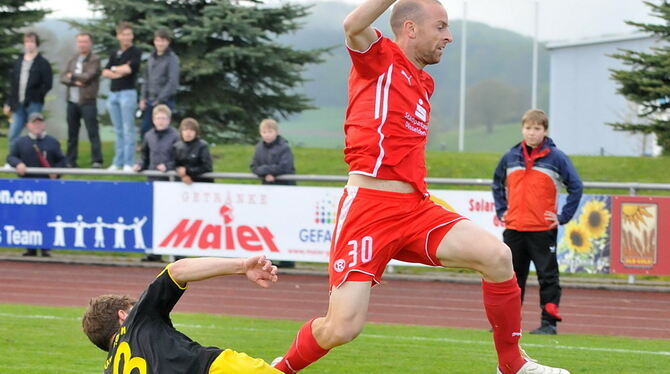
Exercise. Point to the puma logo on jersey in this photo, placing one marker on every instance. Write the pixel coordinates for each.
(409, 77)
(421, 112)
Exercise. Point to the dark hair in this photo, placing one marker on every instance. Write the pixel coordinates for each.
(101, 319)
(123, 25)
(163, 34)
(33, 35)
(86, 33)
(190, 124)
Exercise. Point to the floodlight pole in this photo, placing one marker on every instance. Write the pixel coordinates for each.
(533, 99)
(461, 109)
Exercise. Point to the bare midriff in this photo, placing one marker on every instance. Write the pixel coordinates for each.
(372, 183)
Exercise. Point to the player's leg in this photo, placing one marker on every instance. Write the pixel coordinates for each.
(346, 316)
(468, 245)
(543, 252)
(516, 241)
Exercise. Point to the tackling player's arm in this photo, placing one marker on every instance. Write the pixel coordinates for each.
(357, 25)
(258, 269)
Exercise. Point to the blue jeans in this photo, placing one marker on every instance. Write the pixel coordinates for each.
(122, 106)
(19, 119)
(147, 117)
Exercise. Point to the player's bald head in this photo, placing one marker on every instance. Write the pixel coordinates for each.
(408, 10)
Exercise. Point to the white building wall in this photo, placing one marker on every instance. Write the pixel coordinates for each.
(583, 98)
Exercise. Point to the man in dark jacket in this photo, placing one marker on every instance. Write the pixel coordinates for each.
(30, 79)
(37, 150)
(161, 79)
(525, 189)
(82, 78)
(273, 156)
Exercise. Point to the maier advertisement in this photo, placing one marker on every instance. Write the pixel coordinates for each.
(282, 222)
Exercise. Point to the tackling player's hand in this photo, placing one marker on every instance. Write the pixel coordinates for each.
(260, 271)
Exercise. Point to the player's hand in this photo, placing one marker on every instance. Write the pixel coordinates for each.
(186, 179)
(551, 217)
(6, 110)
(260, 271)
(270, 178)
(161, 167)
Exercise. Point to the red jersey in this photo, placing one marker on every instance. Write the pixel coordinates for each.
(387, 117)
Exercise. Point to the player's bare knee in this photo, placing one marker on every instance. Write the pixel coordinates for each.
(496, 265)
(339, 334)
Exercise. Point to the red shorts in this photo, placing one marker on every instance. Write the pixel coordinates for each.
(373, 227)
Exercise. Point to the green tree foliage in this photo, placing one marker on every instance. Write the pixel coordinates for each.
(647, 83)
(491, 102)
(234, 72)
(14, 17)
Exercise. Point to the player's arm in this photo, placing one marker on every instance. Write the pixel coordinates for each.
(258, 269)
(358, 31)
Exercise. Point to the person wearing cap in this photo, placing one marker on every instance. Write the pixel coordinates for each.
(30, 79)
(36, 150)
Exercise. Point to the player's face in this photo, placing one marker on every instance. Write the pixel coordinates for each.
(269, 135)
(161, 121)
(187, 134)
(433, 33)
(533, 133)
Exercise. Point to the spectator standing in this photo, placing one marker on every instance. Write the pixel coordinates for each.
(30, 80)
(37, 150)
(122, 69)
(525, 189)
(158, 151)
(273, 156)
(161, 79)
(192, 157)
(82, 78)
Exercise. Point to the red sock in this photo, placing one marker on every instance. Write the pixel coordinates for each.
(302, 352)
(503, 309)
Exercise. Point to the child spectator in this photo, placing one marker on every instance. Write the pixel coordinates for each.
(37, 150)
(273, 156)
(525, 189)
(192, 156)
(158, 150)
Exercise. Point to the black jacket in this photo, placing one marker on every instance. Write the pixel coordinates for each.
(39, 83)
(273, 158)
(24, 151)
(195, 157)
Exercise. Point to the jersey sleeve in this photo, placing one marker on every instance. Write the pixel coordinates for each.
(375, 60)
(160, 297)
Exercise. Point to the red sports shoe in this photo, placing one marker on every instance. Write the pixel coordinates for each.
(552, 309)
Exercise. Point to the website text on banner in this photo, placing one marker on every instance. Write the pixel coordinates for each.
(43, 213)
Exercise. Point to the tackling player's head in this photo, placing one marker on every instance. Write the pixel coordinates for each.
(421, 28)
(104, 316)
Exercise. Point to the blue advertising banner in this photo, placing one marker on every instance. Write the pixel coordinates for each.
(44, 213)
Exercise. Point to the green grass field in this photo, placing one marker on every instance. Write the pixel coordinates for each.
(49, 340)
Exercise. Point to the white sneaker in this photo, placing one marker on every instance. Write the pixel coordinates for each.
(535, 368)
(113, 167)
(128, 168)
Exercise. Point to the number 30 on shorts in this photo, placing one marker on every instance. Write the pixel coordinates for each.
(360, 252)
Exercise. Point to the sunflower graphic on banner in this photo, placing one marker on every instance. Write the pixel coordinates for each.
(584, 242)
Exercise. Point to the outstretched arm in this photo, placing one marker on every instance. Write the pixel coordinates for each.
(258, 269)
(357, 25)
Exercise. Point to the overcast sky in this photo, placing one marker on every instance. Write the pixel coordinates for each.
(558, 19)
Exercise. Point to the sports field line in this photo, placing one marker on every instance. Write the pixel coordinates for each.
(379, 336)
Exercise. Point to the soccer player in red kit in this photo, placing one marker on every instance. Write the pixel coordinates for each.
(385, 212)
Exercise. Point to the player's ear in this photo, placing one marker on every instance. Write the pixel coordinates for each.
(122, 316)
(410, 28)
